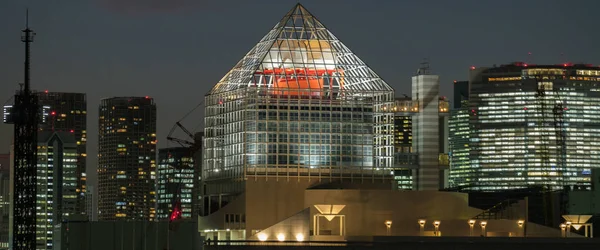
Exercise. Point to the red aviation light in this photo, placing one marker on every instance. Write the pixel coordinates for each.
(46, 91)
(176, 214)
(525, 65)
(72, 131)
(53, 113)
(472, 67)
(147, 97)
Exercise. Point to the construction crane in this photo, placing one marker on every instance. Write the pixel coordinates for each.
(193, 145)
(189, 142)
(558, 108)
(545, 154)
(561, 134)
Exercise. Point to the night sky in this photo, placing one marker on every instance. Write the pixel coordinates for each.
(176, 50)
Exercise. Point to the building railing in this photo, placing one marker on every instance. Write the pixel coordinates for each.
(412, 159)
(279, 243)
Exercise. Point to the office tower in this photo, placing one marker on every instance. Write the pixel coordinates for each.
(56, 183)
(458, 127)
(91, 205)
(4, 199)
(68, 112)
(425, 92)
(175, 182)
(531, 125)
(300, 109)
(127, 159)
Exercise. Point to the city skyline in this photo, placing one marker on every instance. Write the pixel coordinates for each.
(90, 62)
(301, 137)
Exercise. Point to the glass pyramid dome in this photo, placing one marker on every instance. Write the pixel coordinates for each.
(300, 104)
(300, 53)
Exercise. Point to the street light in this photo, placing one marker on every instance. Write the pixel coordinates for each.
(262, 236)
(483, 224)
(471, 225)
(388, 225)
(521, 230)
(281, 237)
(422, 226)
(436, 225)
(300, 237)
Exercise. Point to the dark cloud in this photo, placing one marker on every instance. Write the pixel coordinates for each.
(152, 6)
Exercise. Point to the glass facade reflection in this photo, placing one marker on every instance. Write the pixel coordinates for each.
(299, 104)
(532, 125)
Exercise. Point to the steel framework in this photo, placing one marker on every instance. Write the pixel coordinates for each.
(25, 160)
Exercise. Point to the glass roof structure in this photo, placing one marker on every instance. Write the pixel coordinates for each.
(300, 47)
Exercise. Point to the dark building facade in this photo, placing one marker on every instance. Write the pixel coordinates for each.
(531, 125)
(461, 93)
(127, 159)
(403, 127)
(176, 181)
(67, 112)
(197, 193)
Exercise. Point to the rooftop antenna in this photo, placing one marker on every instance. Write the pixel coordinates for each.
(424, 68)
(27, 38)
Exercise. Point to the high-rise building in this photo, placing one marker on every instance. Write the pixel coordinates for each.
(406, 158)
(530, 125)
(56, 184)
(459, 131)
(67, 112)
(426, 125)
(5, 199)
(127, 159)
(300, 109)
(175, 182)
